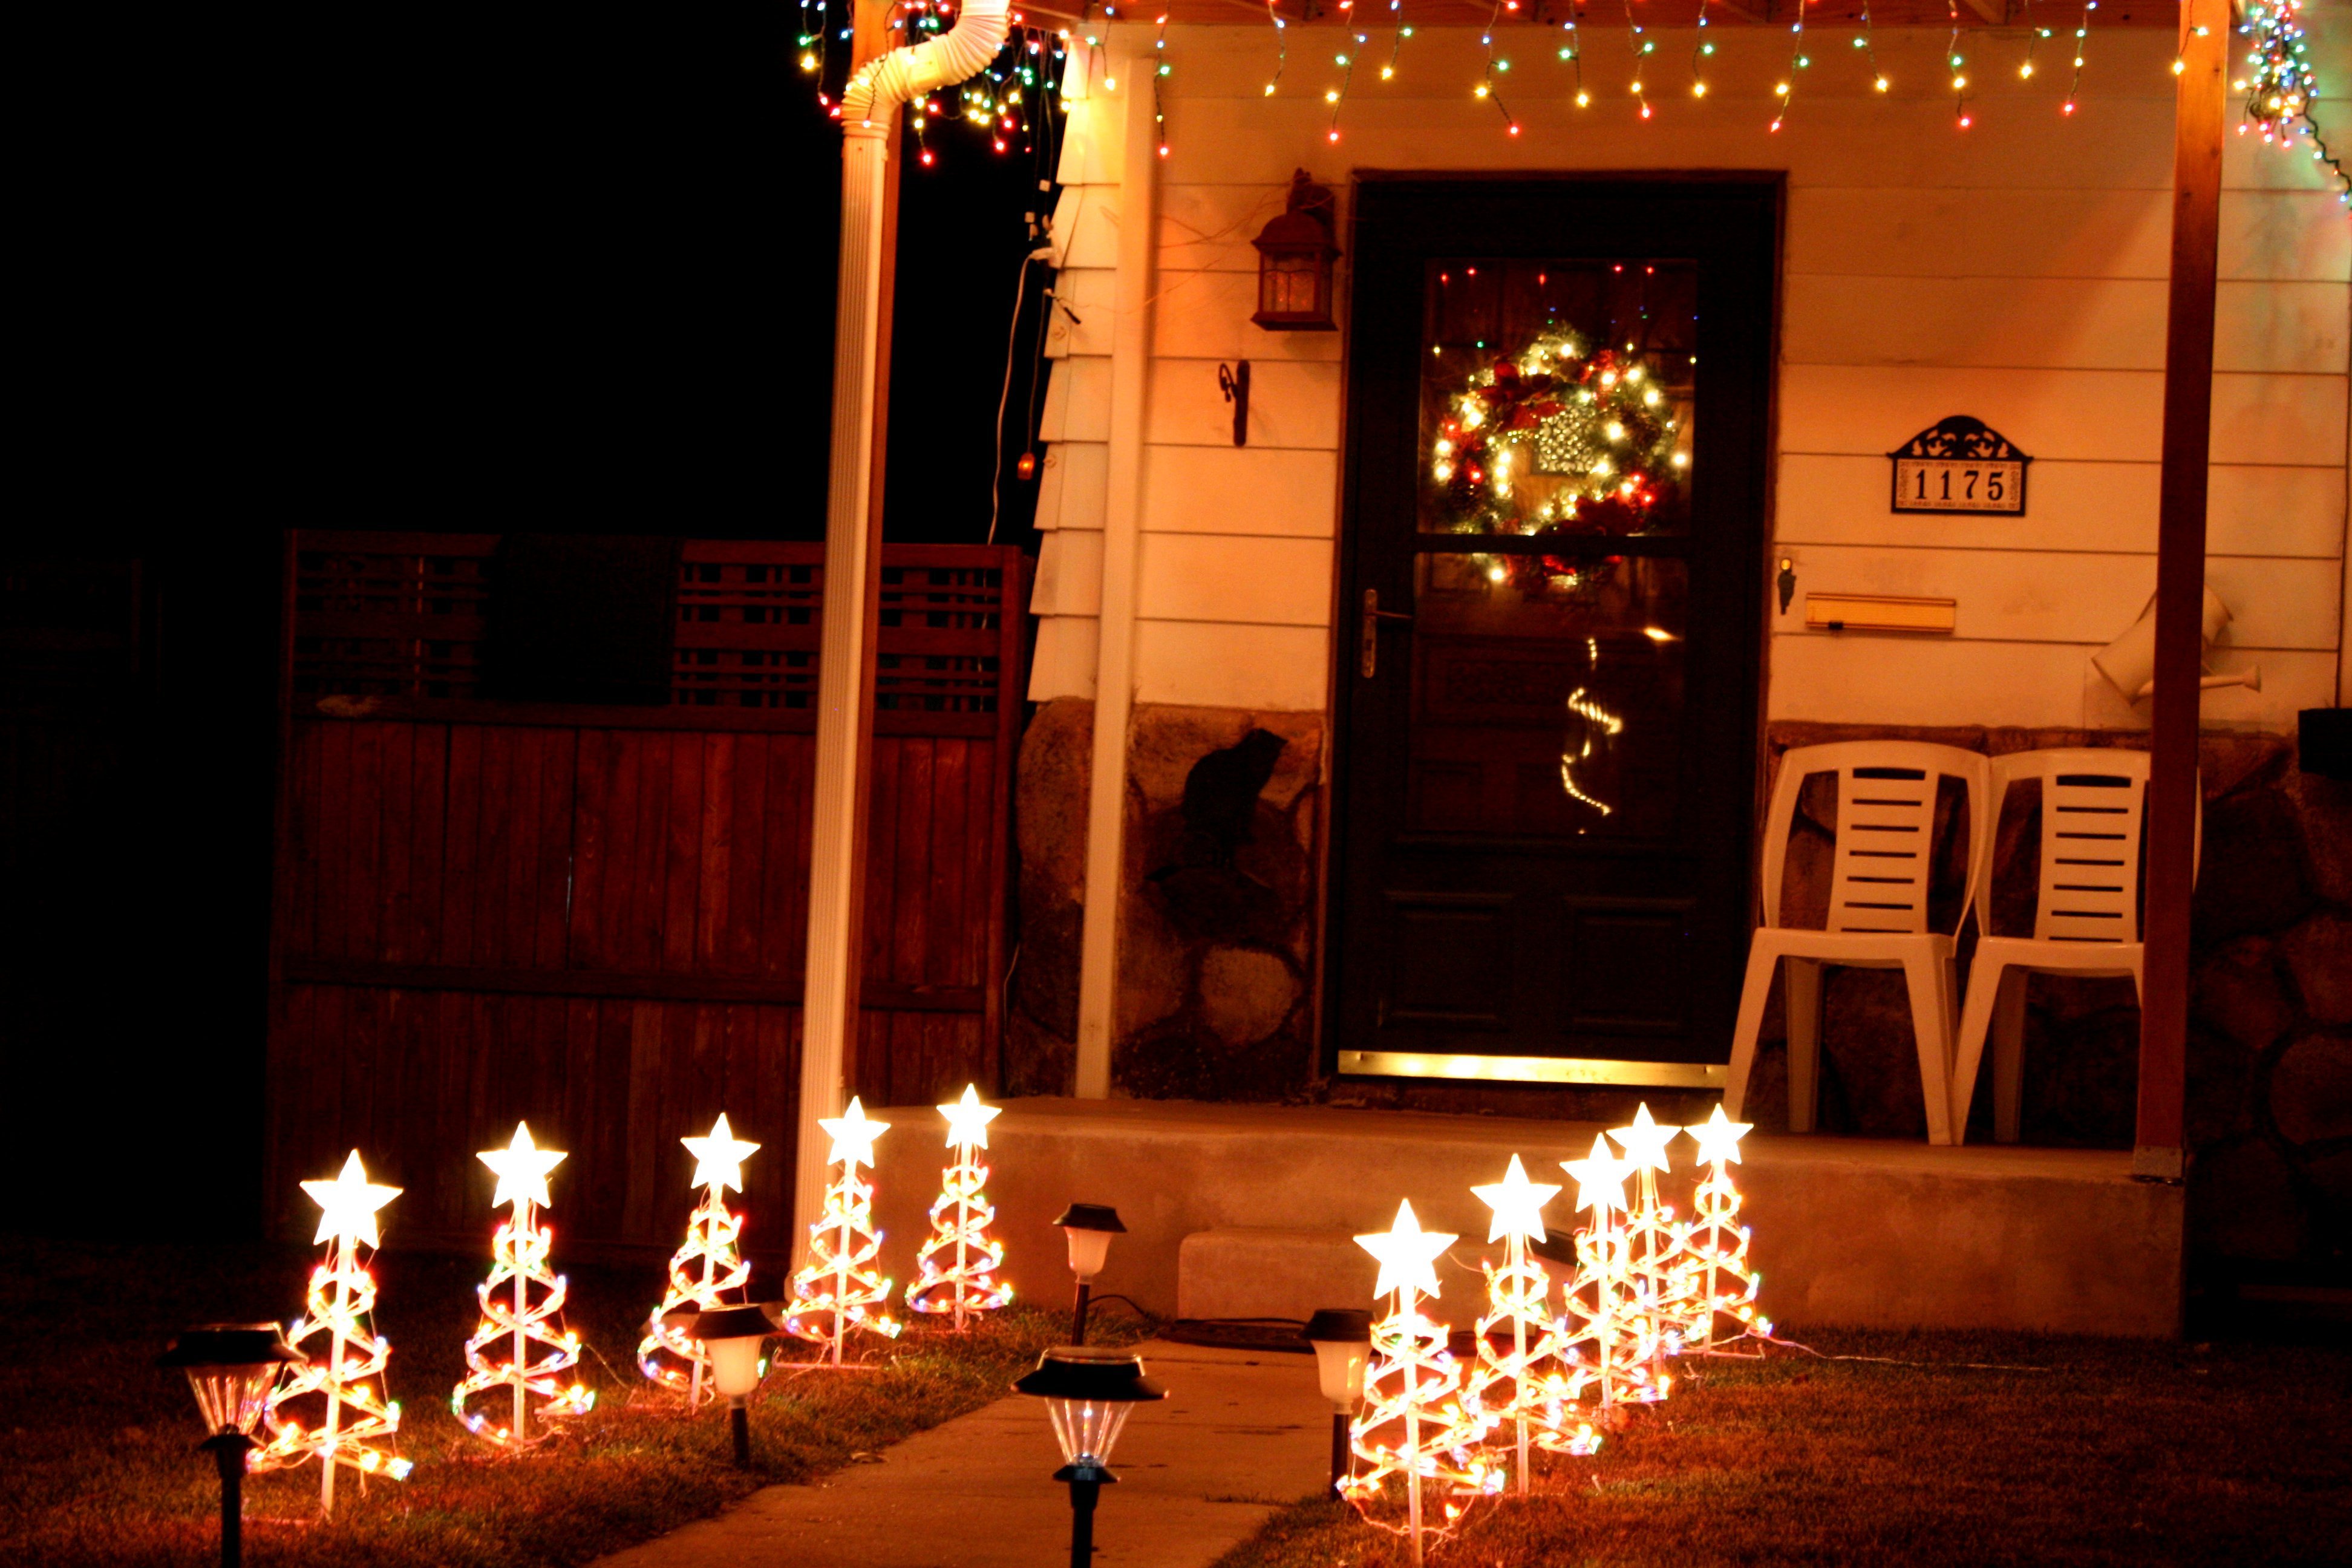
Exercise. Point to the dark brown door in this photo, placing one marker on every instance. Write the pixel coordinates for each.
(1551, 592)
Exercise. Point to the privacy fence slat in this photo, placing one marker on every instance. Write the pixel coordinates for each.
(594, 918)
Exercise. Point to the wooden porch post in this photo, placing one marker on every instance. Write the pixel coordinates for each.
(853, 586)
(2172, 795)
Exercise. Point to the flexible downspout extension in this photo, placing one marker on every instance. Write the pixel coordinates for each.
(869, 120)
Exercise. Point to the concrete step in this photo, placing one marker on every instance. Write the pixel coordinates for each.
(1241, 1271)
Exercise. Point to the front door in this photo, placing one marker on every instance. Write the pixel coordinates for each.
(1552, 594)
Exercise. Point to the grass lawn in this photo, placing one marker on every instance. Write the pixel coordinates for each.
(2120, 1453)
(96, 1460)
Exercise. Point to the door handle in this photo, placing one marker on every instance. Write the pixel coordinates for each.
(1368, 658)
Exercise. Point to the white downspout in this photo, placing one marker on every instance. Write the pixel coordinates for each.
(869, 120)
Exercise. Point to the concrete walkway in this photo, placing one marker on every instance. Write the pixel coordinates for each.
(1239, 1435)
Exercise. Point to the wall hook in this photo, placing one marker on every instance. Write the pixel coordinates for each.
(1233, 381)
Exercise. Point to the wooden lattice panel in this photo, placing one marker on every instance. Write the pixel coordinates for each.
(748, 624)
(389, 614)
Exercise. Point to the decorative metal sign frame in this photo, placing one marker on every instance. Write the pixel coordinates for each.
(1959, 463)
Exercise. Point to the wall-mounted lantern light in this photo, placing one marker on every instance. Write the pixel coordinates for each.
(1295, 253)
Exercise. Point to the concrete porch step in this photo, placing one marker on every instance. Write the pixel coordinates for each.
(1243, 1271)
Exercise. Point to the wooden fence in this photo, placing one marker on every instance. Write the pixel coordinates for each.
(594, 918)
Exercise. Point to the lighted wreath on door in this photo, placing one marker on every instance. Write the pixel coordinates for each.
(1558, 442)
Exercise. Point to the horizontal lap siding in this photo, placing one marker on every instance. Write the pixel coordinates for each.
(2015, 272)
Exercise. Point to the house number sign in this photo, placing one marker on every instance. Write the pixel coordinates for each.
(1959, 463)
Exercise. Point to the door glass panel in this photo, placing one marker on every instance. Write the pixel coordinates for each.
(1556, 397)
(1546, 695)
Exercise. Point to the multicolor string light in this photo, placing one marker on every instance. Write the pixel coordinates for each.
(522, 1307)
(353, 1422)
(1700, 51)
(1642, 48)
(1486, 88)
(707, 1267)
(1868, 45)
(2082, 43)
(1797, 60)
(837, 1292)
(1573, 53)
(959, 1263)
(2280, 86)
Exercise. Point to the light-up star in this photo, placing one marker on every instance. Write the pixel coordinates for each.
(1408, 1254)
(347, 1205)
(522, 1168)
(853, 1134)
(720, 1157)
(1645, 1143)
(1517, 1204)
(968, 1120)
(1719, 1140)
(1600, 1181)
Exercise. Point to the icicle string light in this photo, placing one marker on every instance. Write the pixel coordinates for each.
(1398, 33)
(1958, 63)
(1700, 51)
(1573, 53)
(1486, 88)
(1642, 48)
(1159, 114)
(1797, 60)
(1868, 45)
(1281, 46)
(1337, 95)
(2082, 42)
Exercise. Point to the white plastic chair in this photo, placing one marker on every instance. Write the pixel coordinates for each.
(1878, 910)
(2086, 915)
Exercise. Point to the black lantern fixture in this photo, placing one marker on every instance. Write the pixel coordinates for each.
(734, 1337)
(1294, 262)
(231, 1369)
(1088, 1227)
(1088, 1394)
(1342, 1338)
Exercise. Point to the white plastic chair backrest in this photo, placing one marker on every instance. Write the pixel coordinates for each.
(2094, 807)
(1886, 827)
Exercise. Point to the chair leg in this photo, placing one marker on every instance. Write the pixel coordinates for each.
(2008, 1057)
(1804, 998)
(1967, 1049)
(1931, 1026)
(1753, 994)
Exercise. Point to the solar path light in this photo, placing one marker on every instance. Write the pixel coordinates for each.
(734, 1337)
(231, 1369)
(1088, 1228)
(1088, 1394)
(1343, 1339)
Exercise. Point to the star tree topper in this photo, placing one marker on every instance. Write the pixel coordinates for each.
(1645, 1141)
(853, 1134)
(347, 1205)
(522, 1168)
(1517, 1204)
(717, 1158)
(1599, 1180)
(968, 1122)
(1408, 1254)
(1718, 1138)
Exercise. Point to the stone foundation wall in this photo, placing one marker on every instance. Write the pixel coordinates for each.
(1216, 908)
(1218, 957)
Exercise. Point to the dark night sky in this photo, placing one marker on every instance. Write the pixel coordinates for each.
(427, 269)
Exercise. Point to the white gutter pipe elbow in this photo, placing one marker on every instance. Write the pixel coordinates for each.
(905, 74)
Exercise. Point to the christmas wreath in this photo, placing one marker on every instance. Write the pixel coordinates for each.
(1558, 443)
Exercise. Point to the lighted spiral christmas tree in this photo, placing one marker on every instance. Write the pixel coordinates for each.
(1521, 1387)
(836, 1292)
(1716, 1282)
(1611, 1345)
(1414, 1429)
(707, 1266)
(1653, 1240)
(331, 1407)
(959, 1263)
(521, 1349)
